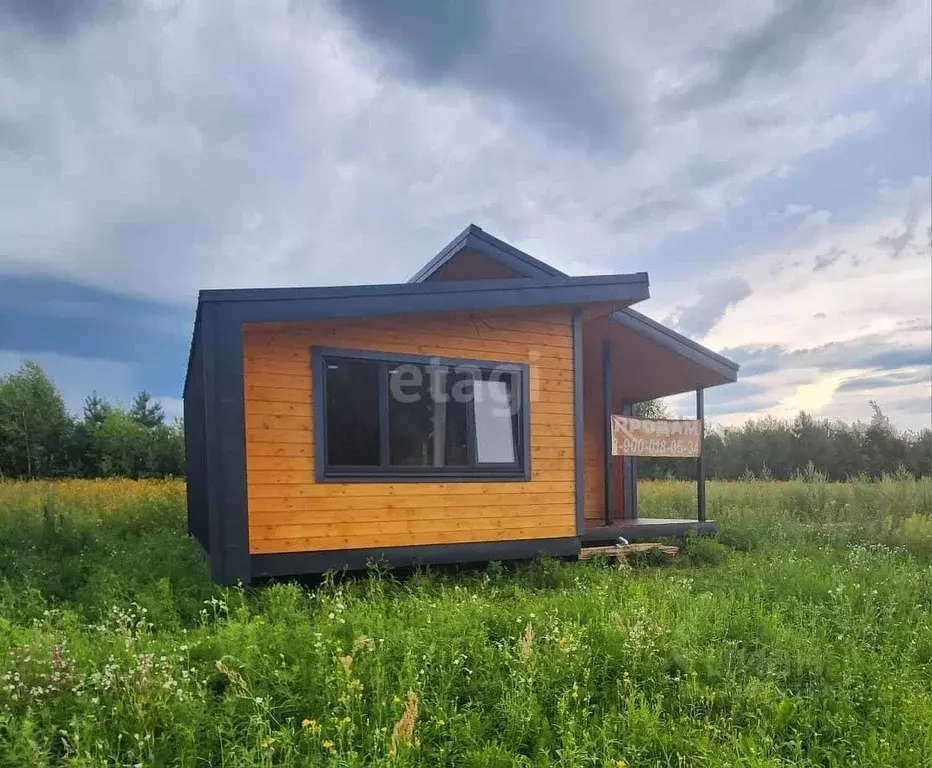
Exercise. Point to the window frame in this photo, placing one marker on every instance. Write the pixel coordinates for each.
(518, 471)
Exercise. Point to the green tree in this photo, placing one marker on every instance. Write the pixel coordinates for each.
(96, 409)
(165, 451)
(651, 409)
(34, 425)
(122, 443)
(146, 411)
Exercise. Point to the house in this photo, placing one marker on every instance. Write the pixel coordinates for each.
(462, 416)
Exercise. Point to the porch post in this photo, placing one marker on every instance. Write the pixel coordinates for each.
(629, 472)
(607, 441)
(700, 462)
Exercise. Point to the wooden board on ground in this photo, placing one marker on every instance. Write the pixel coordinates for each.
(621, 552)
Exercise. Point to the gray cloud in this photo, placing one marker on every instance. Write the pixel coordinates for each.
(532, 54)
(898, 243)
(56, 18)
(876, 352)
(755, 361)
(873, 352)
(156, 149)
(779, 43)
(715, 299)
(827, 259)
(894, 379)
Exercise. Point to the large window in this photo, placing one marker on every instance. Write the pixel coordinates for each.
(381, 416)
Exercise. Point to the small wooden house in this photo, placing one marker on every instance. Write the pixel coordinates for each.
(462, 416)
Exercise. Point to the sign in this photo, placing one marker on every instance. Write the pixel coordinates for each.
(656, 437)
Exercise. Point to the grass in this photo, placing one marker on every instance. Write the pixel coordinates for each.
(802, 636)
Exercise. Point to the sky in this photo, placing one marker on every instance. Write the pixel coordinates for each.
(768, 163)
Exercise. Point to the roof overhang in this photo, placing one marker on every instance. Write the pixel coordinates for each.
(256, 305)
(677, 343)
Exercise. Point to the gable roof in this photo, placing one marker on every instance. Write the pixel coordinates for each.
(476, 240)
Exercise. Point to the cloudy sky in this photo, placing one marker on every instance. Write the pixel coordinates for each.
(767, 162)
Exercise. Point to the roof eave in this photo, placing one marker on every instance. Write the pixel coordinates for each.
(676, 342)
(288, 304)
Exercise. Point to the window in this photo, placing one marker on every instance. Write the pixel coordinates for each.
(393, 417)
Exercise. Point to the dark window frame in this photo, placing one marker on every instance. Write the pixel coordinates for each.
(519, 471)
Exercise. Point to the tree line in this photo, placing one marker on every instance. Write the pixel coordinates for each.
(777, 449)
(40, 439)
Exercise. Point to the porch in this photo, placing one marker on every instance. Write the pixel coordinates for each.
(627, 359)
(644, 529)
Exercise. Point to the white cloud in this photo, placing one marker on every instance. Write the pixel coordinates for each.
(207, 145)
(861, 289)
(833, 306)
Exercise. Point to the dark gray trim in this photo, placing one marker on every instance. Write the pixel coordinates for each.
(607, 401)
(647, 529)
(520, 472)
(290, 564)
(700, 462)
(403, 357)
(195, 336)
(226, 457)
(475, 239)
(629, 473)
(284, 304)
(634, 487)
(525, 425)
(318, 413)
(209, 329)
(578, 434)
(677, 343)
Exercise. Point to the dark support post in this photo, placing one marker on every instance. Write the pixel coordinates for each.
(629, 474)
(578, 456)
(700, 462)
(607, 418)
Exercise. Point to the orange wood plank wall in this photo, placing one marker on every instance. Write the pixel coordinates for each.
(288, 512)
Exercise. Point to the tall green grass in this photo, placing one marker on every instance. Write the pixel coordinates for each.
(803, 636)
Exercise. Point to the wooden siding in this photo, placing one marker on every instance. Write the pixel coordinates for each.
(289, 512)
(470, 265)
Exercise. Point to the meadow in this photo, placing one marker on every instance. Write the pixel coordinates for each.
(801, 635)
